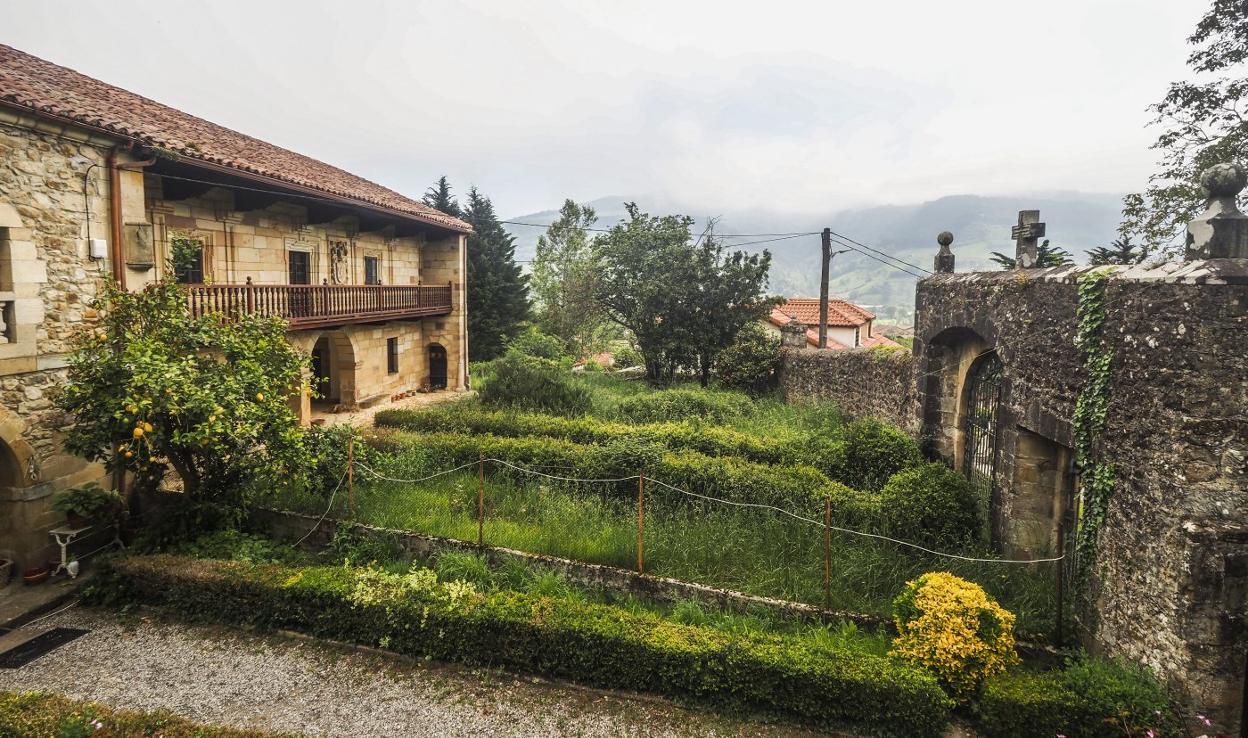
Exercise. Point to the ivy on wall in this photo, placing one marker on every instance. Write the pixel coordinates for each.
(1091, 410)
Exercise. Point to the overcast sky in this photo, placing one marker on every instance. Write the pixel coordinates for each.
(722, 106)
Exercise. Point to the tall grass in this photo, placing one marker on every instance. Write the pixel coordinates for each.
(755, 551)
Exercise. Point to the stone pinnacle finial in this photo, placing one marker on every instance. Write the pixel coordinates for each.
(944, 258)
(1221, 232)
(793, 334)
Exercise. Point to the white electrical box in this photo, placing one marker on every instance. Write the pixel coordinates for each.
(98, 248)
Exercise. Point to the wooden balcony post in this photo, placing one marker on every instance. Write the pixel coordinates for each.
(251, 297)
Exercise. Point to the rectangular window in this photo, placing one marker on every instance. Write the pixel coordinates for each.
(857, 337)
(300, 271)
(372, 272)
(187, 255)
(392, 355)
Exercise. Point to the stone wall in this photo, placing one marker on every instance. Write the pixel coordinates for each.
(863, 382)
(1170, 582)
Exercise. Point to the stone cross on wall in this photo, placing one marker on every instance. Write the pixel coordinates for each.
(1026, 234)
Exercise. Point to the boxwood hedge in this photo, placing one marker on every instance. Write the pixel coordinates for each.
(31, 714)
(704, 439)
(795, 487)
(561, 637)
(1089, 698)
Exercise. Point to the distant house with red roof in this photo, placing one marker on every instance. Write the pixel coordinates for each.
(849, 325)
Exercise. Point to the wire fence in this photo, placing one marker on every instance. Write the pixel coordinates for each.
(648, 525)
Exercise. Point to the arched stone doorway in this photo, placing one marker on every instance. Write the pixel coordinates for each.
(437, 366)
(981, 427)
(333, 370)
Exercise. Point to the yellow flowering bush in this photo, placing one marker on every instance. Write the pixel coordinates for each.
(952, 627)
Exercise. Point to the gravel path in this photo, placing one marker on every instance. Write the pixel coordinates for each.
(231, 677)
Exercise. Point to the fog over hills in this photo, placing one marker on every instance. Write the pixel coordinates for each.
(1076, 221)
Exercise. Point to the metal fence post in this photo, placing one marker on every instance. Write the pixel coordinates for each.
(827, 552)
(481, 500)
(641, 524)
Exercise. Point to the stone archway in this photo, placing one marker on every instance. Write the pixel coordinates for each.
(949, 357)
(333, 370)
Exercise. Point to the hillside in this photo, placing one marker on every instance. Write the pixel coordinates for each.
(1076, 221)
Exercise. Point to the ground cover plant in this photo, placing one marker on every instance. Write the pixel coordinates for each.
(38, 714)
(414, 613)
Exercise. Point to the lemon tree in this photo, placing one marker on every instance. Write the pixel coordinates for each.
(152, 387)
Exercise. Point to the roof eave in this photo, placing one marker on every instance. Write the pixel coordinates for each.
(463, 228)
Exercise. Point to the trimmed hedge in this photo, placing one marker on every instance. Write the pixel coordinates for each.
(564, 638)
(1092, 698)
(932, 504)
(728, 478)
(31, 714)
(708, 440)
(682, 404)
(867, 454)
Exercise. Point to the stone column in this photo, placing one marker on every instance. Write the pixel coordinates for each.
(1221, 232)
(944, 258)
(793, 334)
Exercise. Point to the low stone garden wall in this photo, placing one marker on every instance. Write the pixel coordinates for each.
(863, 382)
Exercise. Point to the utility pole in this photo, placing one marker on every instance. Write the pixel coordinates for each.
(826, 262)
(823, 286)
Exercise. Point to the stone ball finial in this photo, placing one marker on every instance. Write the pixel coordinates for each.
(1223, 180)
(945, 238)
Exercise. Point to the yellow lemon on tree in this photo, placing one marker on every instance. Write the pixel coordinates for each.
(259, 395)
(147, 427)
(138, 432)
(129, 454)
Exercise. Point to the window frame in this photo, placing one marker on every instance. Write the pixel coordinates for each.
(392, 355)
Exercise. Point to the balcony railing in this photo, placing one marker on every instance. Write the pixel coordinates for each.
(313, 305)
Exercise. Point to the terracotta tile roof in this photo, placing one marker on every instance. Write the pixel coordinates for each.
(31, 83)
(841, 313)
(780, 318)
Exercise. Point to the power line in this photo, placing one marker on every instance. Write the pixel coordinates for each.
(608, 230)
(881, 253)
(889, 264)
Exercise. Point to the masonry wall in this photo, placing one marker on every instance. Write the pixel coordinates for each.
(46, 284)
(863, 382)
(1170, 582)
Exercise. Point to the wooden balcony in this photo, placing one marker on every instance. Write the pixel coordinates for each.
(319, 306)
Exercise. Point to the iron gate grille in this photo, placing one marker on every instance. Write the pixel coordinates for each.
(982, 409)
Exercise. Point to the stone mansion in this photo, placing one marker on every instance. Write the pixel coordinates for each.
(97, 183)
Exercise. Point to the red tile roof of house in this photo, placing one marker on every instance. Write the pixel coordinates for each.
(844, 312)
(32, 84)
(841, 313)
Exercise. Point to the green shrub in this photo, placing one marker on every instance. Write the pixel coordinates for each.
(752, 362)
(867, 454)
(327, 448)
(791, 486)
(533, 342)
(518, 381)
(564, 638)
(684, 404)
(1090, 698)
(31, 714)
(453, 566)
(704, 439)
(931, 504)
(627, 357)
(231, 545)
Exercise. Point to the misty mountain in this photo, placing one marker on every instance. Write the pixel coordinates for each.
(1076, 222)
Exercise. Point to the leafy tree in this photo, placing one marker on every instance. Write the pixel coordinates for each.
(1203, 124)
(723, 292)
(439, 197)
(683, 302)
(498, 292)
(152, 386)
(1121, 251)
(563, 281)
(1046, 256)
(641, 265)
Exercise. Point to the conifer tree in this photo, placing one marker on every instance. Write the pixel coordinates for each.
(439, 197)
(498, 292)
(1121, 251)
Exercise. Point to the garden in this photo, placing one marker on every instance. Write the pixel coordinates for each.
(923, 623)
